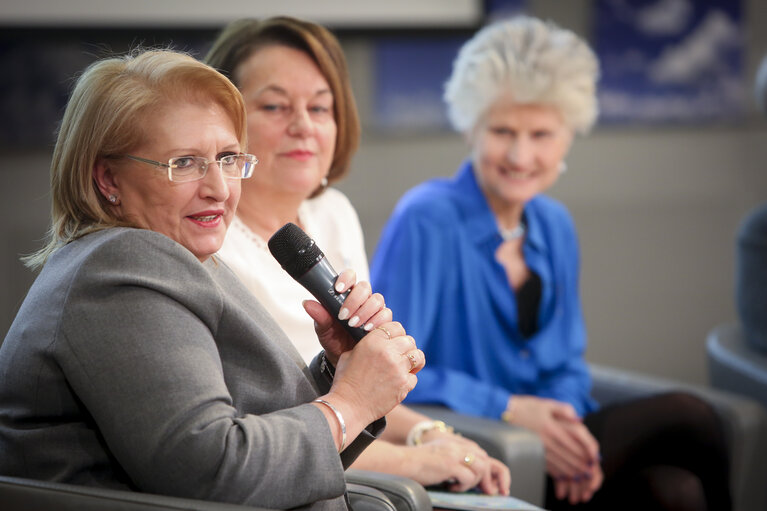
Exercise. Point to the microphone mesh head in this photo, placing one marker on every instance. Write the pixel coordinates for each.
(294, 250)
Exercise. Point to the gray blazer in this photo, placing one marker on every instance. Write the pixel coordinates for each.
(132, 365)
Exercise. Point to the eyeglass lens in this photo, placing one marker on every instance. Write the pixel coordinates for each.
(186, 168)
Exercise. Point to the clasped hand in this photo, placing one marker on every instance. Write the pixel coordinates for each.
(572, 452)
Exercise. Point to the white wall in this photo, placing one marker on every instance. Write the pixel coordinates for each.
(201, 13)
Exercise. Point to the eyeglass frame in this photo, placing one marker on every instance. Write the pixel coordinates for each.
(206, 161)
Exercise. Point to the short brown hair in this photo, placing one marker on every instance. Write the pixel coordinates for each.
(241, 38)
(104, 117)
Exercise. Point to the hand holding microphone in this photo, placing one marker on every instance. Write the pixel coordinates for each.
(376, 363)
(356, 309)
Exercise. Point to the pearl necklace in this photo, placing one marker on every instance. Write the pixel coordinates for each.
(512, 234)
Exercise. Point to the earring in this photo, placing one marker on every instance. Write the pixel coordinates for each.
(112, 198)
(562, 167)
(324, 182)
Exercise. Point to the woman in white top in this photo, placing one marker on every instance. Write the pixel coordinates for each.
(303, 126)
(333, 224)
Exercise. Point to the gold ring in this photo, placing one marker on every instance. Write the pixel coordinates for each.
(413, 361)
(468, 459)
(388, 335)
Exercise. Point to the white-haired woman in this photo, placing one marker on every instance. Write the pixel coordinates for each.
(483, 270)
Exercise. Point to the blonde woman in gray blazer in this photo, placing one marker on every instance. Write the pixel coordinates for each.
(138, 361)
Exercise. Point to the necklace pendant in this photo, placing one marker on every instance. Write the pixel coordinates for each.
(512, 234)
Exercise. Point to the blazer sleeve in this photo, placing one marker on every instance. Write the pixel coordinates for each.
(138, 345)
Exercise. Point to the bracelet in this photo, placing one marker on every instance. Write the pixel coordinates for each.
(340, 419)
(508, 415)
(326, 366)
(417, 431)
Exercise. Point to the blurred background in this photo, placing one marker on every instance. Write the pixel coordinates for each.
(657, 190)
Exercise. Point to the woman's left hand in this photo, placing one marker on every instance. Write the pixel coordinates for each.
(579, 490)
(362, 308)
(489, 474)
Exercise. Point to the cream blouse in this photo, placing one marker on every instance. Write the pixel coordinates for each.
(332, 222)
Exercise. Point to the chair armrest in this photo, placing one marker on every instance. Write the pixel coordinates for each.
(734, 365)
(520, 449)
(404, 493)
(18, 494)
(744, 421)
(367, 498)
(612, 385)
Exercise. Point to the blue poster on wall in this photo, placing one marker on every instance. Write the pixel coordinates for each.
(409, 77)
(670, 60)
(410, 72)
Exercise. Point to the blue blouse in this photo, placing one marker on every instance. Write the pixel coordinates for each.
(435, 265)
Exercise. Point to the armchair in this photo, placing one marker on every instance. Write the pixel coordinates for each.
(734, 365)
(745, 424)
(403, 493)
(18, 494)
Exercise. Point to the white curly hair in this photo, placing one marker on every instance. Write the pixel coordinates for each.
(534, 61)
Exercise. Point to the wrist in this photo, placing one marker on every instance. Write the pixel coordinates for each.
(339, 418)
(416, 433)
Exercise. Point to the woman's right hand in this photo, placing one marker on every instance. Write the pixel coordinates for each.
(572, 453)
(374, 376)
(379, 372)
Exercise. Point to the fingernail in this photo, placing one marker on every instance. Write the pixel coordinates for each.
(340, 287)
(354, 321)
(368, 327)
(343, 313)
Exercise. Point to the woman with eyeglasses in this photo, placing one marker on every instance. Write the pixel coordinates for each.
(138, 361)
(303, 124)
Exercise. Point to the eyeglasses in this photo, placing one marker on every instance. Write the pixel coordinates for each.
(192, 168)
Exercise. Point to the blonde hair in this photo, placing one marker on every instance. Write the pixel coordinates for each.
(534, 61)
(242, 38)
(105, 117)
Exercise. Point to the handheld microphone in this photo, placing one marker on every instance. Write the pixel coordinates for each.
(300, 256)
